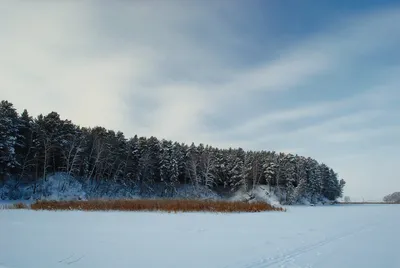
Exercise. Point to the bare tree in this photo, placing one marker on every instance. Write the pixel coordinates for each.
(72, 152)
(256, 171)
(27, 162)
(207, 161)
(192, 166)
(97, 150)
(46, 141)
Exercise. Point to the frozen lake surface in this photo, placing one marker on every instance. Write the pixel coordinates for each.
(363, 236)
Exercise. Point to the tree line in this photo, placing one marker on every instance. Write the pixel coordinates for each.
(392, 198)
(33, 148)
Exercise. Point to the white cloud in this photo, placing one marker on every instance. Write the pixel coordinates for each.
(49, 63)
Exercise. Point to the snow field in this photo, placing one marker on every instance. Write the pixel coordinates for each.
(362, 236)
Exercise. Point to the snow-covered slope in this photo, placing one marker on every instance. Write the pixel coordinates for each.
(63, 187)
(364, 236)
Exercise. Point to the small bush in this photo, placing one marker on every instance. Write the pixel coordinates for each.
(156, 205)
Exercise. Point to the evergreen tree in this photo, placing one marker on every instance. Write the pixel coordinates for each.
(300, 190)
(131, 172)
(9, 135)
(25, 152)
(169, 171)
(270, 173)
(289, 175)
(235, 167)
(35, 147)
(221, 172)
(314, 186)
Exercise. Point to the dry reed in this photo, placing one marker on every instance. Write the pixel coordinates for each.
(156, 205)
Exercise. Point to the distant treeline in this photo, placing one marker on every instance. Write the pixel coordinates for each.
(33, 148)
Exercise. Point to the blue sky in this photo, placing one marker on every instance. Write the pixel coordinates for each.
(317, 78)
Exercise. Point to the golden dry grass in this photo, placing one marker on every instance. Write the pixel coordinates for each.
(156, 205)
(20, 206)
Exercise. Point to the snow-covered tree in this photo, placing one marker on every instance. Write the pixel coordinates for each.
(9, 125)
(315, 185)
(169, 171)
(289, 175)
(235, 166)
(300, 190)
(131, 171)
(26, 149)
(331, 186)
(34, 147)
(270, 172)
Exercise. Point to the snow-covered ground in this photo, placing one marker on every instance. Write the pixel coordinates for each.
(362, 236)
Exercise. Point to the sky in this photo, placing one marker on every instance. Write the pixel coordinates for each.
(315, 78)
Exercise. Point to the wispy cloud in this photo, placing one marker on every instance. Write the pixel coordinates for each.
(342, 49)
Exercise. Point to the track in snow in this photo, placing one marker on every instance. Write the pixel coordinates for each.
(291, 255)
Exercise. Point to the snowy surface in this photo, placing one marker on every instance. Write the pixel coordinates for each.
(363, 236)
